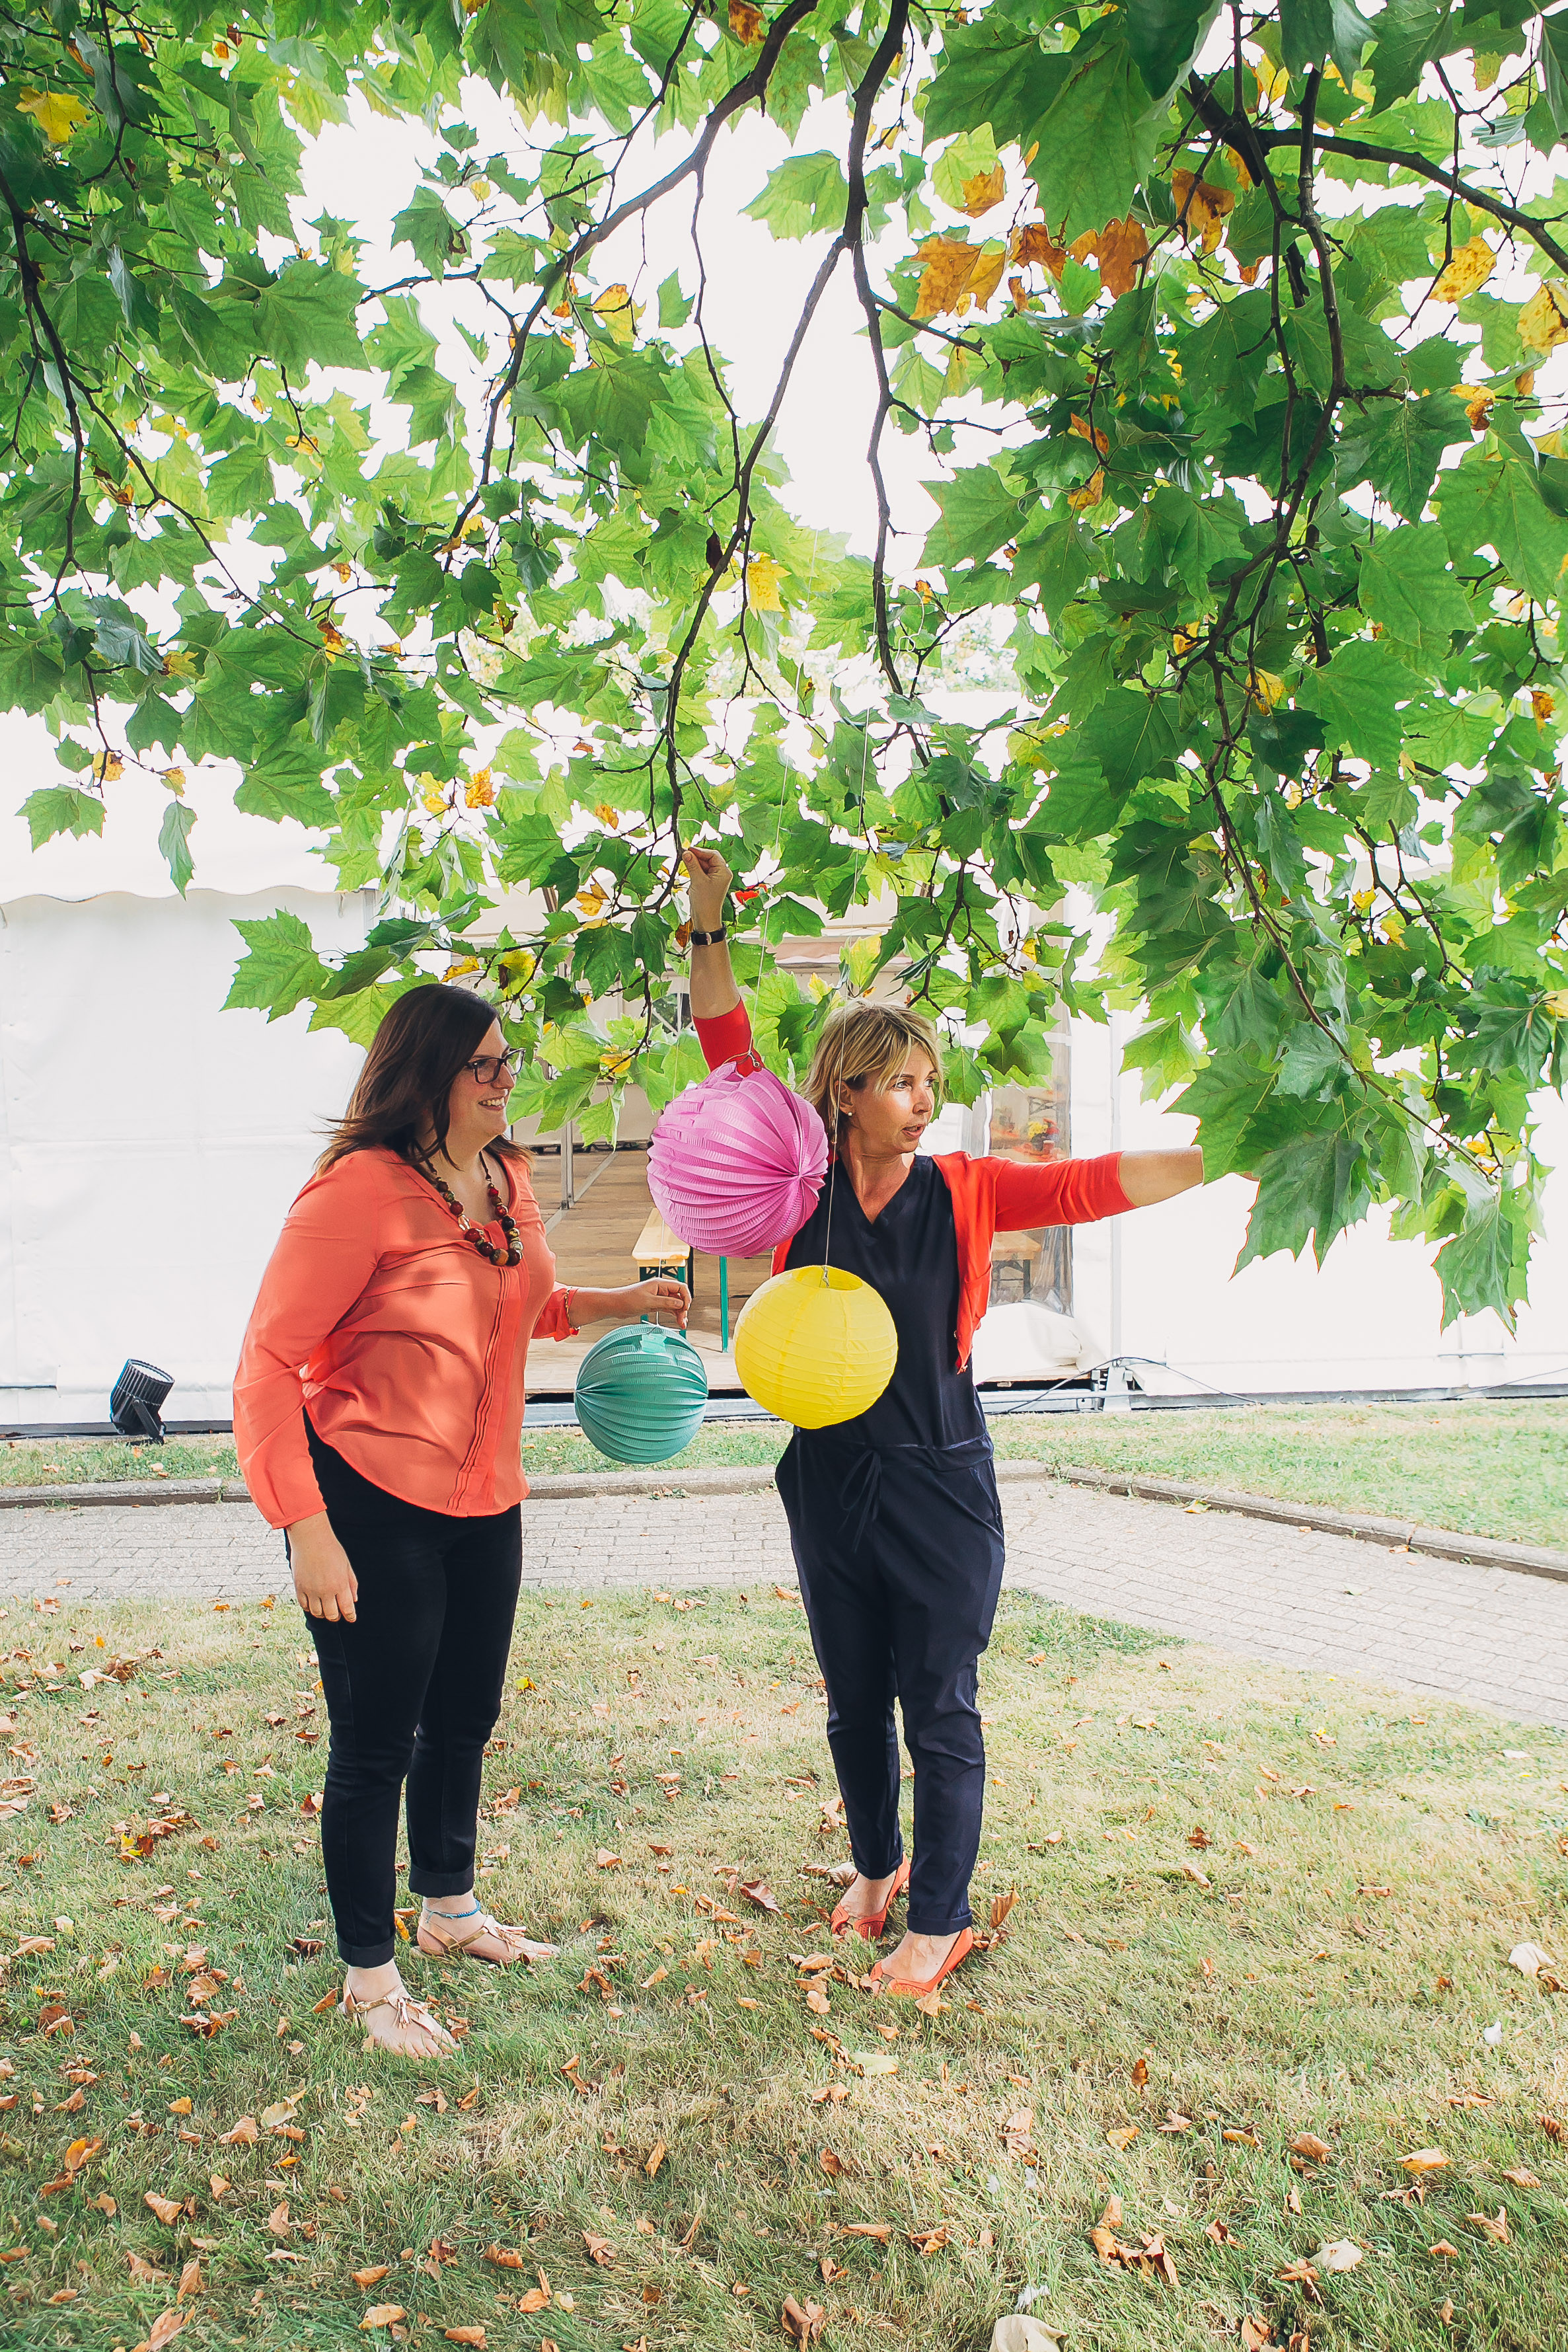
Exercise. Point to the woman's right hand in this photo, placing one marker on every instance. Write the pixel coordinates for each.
(710, 881)
(324, 1584)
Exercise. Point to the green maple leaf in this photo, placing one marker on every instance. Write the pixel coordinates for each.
(990, 74)
(308, 315)
(173, 843)
(806, 194)
(1097, 141)
(1406, 584)
(280, 968)
(426, 224)
(62, 808)
(1357, 698)
(1494, 499)
(1164, 37)
(980, 512)
(1310, 1190)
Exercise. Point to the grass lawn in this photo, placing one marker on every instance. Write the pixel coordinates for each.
(1251, 1905)
(1482, 1468)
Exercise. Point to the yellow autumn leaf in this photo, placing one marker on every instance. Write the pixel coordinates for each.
(1468, 270)
(180, 663)
(1201, 208)
(107, 767)
(455, 970)
(955, 274)
(1543, 321)
(175, 780)
(430, 791)
(747, 24)
(762, 578)
(56, 115)
(986, 189)
(1090, 495)
(1272, 80)
(1265, 691)
(479, 792)
(617, 313)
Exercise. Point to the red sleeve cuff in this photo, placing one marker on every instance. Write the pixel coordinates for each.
(729, 1039)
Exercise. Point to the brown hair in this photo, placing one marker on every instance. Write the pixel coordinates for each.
(415, 1056)
(863, 1044)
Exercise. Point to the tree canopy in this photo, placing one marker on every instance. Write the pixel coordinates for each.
(1220, 333)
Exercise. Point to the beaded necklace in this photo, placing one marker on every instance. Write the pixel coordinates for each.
(512, 1254)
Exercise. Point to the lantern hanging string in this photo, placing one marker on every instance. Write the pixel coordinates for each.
(838, 1074)
(783, 794)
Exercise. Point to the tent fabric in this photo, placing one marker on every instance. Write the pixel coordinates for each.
(150, 1143)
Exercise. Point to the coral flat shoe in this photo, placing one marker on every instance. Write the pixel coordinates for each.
(871, 1926)
(916, 1990)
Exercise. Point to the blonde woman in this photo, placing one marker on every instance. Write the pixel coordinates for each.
(893, 1517)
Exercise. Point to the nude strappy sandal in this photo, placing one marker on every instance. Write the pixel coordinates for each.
(407, 2012)
(443, 1946)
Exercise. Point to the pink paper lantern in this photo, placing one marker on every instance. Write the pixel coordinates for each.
(736, 1163)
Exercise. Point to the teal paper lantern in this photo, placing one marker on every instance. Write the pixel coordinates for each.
(641, 1394)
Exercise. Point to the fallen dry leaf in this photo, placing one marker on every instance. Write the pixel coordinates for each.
(190, 2280)
(1338, 2254)
(166, 2208)
(537, 2298)
(1001, 1905)
(880, 2230)
(474, 2335)
(1523, 2177)
(384, 2314)
(1529, 1959)
(600, 2248)
(1449, 2253)
(1308, 2143)
(1491, 2225)
(278, 2222)
(165, 2329)
(1124, 2138)
(243, 2135)
(371, 2277)
(605, 1860)
(802, 2322)
(506, 2259)
(1422, 2161)
(145, 2273)
(1140, 2072)
(756, 1891)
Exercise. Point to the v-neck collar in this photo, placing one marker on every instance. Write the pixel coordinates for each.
(872, 1224)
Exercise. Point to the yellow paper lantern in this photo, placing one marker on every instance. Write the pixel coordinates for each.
(815, 1346)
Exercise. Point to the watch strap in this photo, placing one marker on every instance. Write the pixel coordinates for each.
(707, 939)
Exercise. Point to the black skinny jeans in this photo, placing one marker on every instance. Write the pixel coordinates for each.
(413, 1690)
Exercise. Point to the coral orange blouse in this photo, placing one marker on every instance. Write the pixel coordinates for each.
(408, 1347)
(989, 1196)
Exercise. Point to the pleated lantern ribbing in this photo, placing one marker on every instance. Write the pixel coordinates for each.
(815, 1346)
(641, 1393)
(736, 1163)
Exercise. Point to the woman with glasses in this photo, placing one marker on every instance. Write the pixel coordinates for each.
(378, 1417)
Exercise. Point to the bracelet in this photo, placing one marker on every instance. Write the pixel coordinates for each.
(707, 939)
(570, 1296)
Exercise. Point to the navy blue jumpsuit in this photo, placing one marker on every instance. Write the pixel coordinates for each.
(897, 1534)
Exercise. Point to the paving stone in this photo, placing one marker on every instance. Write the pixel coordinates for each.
(1255, 1587)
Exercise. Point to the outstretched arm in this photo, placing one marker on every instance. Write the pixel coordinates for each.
(1150, 1176)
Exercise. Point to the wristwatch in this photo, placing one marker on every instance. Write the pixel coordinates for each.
(706, 939)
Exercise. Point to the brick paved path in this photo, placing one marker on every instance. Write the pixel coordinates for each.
(1302, 1599)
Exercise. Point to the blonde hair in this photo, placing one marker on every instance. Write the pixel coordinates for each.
(864, 1042)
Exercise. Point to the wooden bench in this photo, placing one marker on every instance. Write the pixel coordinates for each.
(659, 1250)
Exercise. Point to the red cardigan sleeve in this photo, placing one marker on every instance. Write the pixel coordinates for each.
(554, 1322)
(729, 1039)
(1058, 1192)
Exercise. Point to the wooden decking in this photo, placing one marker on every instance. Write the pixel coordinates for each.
(595, 1245)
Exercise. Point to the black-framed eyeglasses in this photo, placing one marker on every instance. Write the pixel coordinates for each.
(489, 1067)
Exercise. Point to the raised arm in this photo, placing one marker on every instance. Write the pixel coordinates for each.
(718, 1015)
